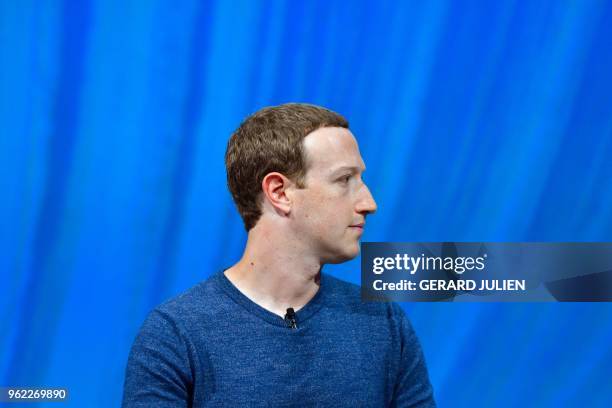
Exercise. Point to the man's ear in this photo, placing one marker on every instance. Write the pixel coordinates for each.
(274, 187)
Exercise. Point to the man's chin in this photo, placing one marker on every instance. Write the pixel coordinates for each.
(343, 256)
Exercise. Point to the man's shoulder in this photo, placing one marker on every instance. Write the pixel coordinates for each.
(192, 304)
(349, 294)
(342, 291)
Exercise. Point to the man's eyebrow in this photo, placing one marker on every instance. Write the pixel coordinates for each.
(352, 169)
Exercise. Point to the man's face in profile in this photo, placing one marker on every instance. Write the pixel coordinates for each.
(329, 213)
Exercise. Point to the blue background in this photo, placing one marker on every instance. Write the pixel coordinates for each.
(478, 121)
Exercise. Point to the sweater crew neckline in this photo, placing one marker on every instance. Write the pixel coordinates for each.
(302, 315)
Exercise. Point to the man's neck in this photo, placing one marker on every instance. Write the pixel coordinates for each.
(275, 272)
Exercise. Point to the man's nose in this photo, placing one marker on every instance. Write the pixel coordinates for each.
(366, 203)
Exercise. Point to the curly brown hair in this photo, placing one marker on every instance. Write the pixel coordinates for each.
(270, 140)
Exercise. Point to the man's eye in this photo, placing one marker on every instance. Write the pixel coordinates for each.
(346, 179)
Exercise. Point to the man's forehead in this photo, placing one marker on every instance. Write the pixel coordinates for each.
(332, 149)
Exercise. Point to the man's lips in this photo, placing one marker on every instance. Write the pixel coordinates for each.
(358, 225)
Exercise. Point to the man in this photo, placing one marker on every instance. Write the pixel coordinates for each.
(273, 330)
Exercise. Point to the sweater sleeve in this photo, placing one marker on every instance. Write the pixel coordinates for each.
(158, 372)
(412, 387)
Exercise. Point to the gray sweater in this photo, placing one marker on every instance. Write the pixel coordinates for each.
(213, 346)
